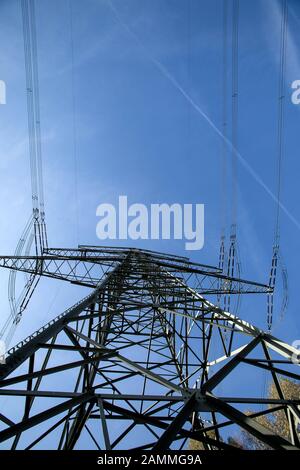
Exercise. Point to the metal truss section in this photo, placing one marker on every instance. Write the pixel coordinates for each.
(87, 266)
(141, 362)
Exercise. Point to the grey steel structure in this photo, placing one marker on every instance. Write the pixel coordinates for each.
(142, 362)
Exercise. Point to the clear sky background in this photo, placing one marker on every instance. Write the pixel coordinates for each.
(125, 128)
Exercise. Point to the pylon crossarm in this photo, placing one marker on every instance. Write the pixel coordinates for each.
(87, 267)
(274, 343)
(86, 272)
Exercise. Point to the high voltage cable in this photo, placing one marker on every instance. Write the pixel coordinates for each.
(74, 123)
(35, 228)
(33, 109)
(229, 259)
(224, 120)
(233, 264)
(224, 152)
(280, 135)
(235, 83)
(277, 257)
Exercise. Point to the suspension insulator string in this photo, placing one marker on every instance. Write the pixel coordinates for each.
(233, 264)
(223, 192)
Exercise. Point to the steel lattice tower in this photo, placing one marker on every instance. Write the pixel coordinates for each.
(141, 361)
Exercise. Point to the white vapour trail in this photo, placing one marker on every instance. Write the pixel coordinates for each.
(197, 108)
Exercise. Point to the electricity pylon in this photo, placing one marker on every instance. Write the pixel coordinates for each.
(142, 362)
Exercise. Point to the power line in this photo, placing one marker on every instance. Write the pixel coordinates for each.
(233, 263)
(277, 262)
(74, 121)
(235, 90)
(35, 228)
(34, 130)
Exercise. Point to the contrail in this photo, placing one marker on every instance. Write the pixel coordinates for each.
(197, 108)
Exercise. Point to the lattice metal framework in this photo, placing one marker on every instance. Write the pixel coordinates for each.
(142, 362)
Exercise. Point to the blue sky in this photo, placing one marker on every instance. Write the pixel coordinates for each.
(138, 135)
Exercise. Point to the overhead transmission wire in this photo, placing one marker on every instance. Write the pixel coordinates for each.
(231, 265)
(223, 255)
(74, 121)
(235, 91)
(35, 229)
(223, 192)
(277, 261)
(36, 117)
(34, 130)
